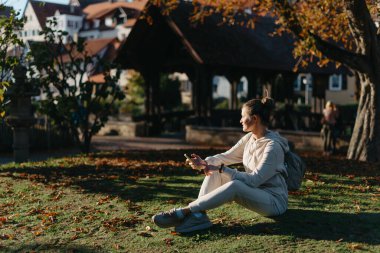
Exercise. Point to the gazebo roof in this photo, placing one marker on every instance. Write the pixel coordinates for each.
(173, 42)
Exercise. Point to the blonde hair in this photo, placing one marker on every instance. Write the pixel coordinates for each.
(329, 104)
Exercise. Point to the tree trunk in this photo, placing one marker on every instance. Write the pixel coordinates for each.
(365, 139)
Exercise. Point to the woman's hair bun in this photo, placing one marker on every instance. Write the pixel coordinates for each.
(267, 101)
(262, 107)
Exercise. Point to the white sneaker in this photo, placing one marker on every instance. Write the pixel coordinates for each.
(194, 222)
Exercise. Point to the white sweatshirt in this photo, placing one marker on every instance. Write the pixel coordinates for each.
(263, 160)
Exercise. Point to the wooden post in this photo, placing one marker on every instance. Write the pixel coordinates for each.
(202, 92)
(234, 79)
(206, 91)
(252, 85)
(152, 101)
(320, 84)
(289, 79)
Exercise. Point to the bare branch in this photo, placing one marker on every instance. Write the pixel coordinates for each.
(350, 59)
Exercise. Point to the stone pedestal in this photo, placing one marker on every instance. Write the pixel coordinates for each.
(20, 126)
(21, 144)
(20, 114)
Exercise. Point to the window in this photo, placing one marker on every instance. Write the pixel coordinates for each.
(70, 23)
(335, 82)
(109, 22)
(215, 82)
(303, 81)
(214, 87)
(297, 84)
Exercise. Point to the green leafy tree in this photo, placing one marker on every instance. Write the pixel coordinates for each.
(71, 99)
(341, 31)
(9, 42)
(135, 95)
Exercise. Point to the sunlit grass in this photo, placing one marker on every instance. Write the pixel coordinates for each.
(104, 202)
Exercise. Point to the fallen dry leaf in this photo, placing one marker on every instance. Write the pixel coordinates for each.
(355, 246)
(37, 233)
(74, 237)
(6, 237)
(168, 241)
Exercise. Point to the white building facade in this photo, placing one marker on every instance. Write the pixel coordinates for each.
(69, 23)
(32, 26)
(69, 18)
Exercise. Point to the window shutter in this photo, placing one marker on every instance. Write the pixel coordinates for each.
(344, 82)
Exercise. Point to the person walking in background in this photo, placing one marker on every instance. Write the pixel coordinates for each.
(329, 130)
(261, 187)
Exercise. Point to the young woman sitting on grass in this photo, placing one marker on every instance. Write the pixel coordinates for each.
(260, 188)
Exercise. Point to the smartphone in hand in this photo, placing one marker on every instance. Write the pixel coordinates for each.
(199, 167)
(188, 157)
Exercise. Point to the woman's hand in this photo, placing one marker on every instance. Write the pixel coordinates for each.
(198, 163)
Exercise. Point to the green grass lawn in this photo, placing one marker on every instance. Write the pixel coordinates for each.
(104, 203)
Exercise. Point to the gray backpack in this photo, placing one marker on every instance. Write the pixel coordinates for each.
(296, 169)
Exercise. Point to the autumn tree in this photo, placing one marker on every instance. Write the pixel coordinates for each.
(9, 41)
(342, 31)
(71, 99)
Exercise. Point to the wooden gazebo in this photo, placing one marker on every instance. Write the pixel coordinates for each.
(172, 43)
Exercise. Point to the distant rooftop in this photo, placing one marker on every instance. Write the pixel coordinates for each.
(85, 3)
(99, 10)
(44, 10)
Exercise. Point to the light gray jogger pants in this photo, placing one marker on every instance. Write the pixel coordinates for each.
(218, 188)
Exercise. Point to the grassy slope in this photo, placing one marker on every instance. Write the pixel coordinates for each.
(104, 203)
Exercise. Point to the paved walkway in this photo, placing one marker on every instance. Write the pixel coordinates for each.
(109, 143)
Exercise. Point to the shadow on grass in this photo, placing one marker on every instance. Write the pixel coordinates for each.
(308, 224)
(156, 155)
(141, 184)
(52, 248)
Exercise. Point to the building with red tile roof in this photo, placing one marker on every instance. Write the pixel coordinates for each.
(37, 13)
(111, 19)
